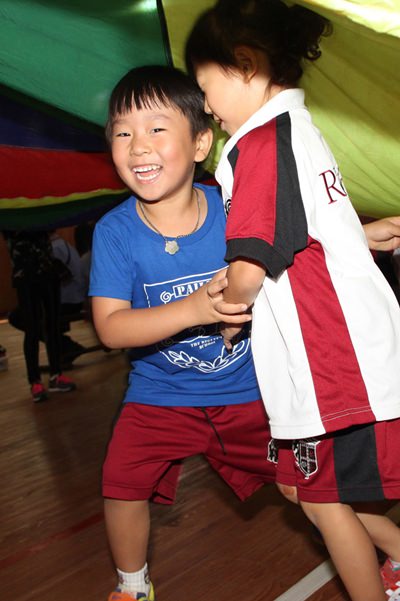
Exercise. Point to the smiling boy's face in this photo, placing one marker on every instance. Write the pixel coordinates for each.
(154, 151)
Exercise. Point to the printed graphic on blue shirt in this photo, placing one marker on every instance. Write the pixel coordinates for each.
(199, 347)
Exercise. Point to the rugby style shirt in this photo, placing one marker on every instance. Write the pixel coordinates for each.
(326, 325)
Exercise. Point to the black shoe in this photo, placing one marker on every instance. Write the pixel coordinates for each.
(69, 356)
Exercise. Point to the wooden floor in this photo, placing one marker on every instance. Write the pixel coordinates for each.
(53, 544)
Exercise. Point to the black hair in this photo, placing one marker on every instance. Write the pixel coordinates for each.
(286, 34)
(144, 87)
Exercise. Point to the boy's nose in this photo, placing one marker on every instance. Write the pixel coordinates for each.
(139, 145)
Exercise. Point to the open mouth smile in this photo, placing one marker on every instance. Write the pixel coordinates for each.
(146, 173)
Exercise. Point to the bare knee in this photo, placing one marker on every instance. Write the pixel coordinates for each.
(311, 511)
(116, 509)
(321, 514)
(289, 492)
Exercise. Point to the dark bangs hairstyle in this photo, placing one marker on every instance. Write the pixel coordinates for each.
(156, 85)
(285, 34)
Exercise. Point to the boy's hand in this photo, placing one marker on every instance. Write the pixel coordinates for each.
(383, 234)
(229, 334)
(209, 306)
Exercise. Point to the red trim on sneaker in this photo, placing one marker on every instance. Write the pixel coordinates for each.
(38, 392)
(391, 580)
(61, 383)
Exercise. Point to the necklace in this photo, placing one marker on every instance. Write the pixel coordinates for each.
(171, 246)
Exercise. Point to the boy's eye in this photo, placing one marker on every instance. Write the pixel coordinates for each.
(122, 134)
(155, 130)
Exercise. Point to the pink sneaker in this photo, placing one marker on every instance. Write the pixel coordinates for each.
(38, 392)
(391, 580)
(61, 383)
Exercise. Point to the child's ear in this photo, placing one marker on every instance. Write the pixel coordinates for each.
(203, 145)
(247, 61)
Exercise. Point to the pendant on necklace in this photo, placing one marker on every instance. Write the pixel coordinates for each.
(171, 247)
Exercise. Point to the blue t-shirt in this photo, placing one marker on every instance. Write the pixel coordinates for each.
(129, 262)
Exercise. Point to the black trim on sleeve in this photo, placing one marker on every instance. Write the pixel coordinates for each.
(233, 156)
(257, 250)
(291, 231)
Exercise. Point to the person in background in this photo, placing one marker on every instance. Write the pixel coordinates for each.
(83, 236)
(72, 298)
(73, 294)
(38, 293)
(3, 358)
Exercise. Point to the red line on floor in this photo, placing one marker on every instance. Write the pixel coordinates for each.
(40, 546)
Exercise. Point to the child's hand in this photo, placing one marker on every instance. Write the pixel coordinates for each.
(383, 234)
(229, 334)
(208, 304)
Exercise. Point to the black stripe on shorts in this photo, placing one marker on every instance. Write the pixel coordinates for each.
(356, 465)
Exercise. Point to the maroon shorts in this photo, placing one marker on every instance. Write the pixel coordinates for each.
(149, 443)
(361, 463)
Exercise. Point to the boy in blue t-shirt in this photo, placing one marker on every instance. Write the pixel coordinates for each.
(156, 283)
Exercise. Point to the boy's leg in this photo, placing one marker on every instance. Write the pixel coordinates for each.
(350, 547)
(386, 536)
(238, 447)
(334, 472)
(384, 533)
(128, 527)
(143, 463)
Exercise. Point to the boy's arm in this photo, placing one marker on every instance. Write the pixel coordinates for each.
(383, 234)
(120, 326)
(245, 279)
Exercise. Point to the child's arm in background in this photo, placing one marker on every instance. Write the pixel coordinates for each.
(120, 326)
(383, 234)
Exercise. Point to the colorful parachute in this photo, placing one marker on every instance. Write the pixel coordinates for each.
(61, 58)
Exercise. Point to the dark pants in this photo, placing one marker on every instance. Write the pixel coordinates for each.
(39, 304)
(69, 347)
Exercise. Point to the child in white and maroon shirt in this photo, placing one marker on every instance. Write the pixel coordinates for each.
(326, 326)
